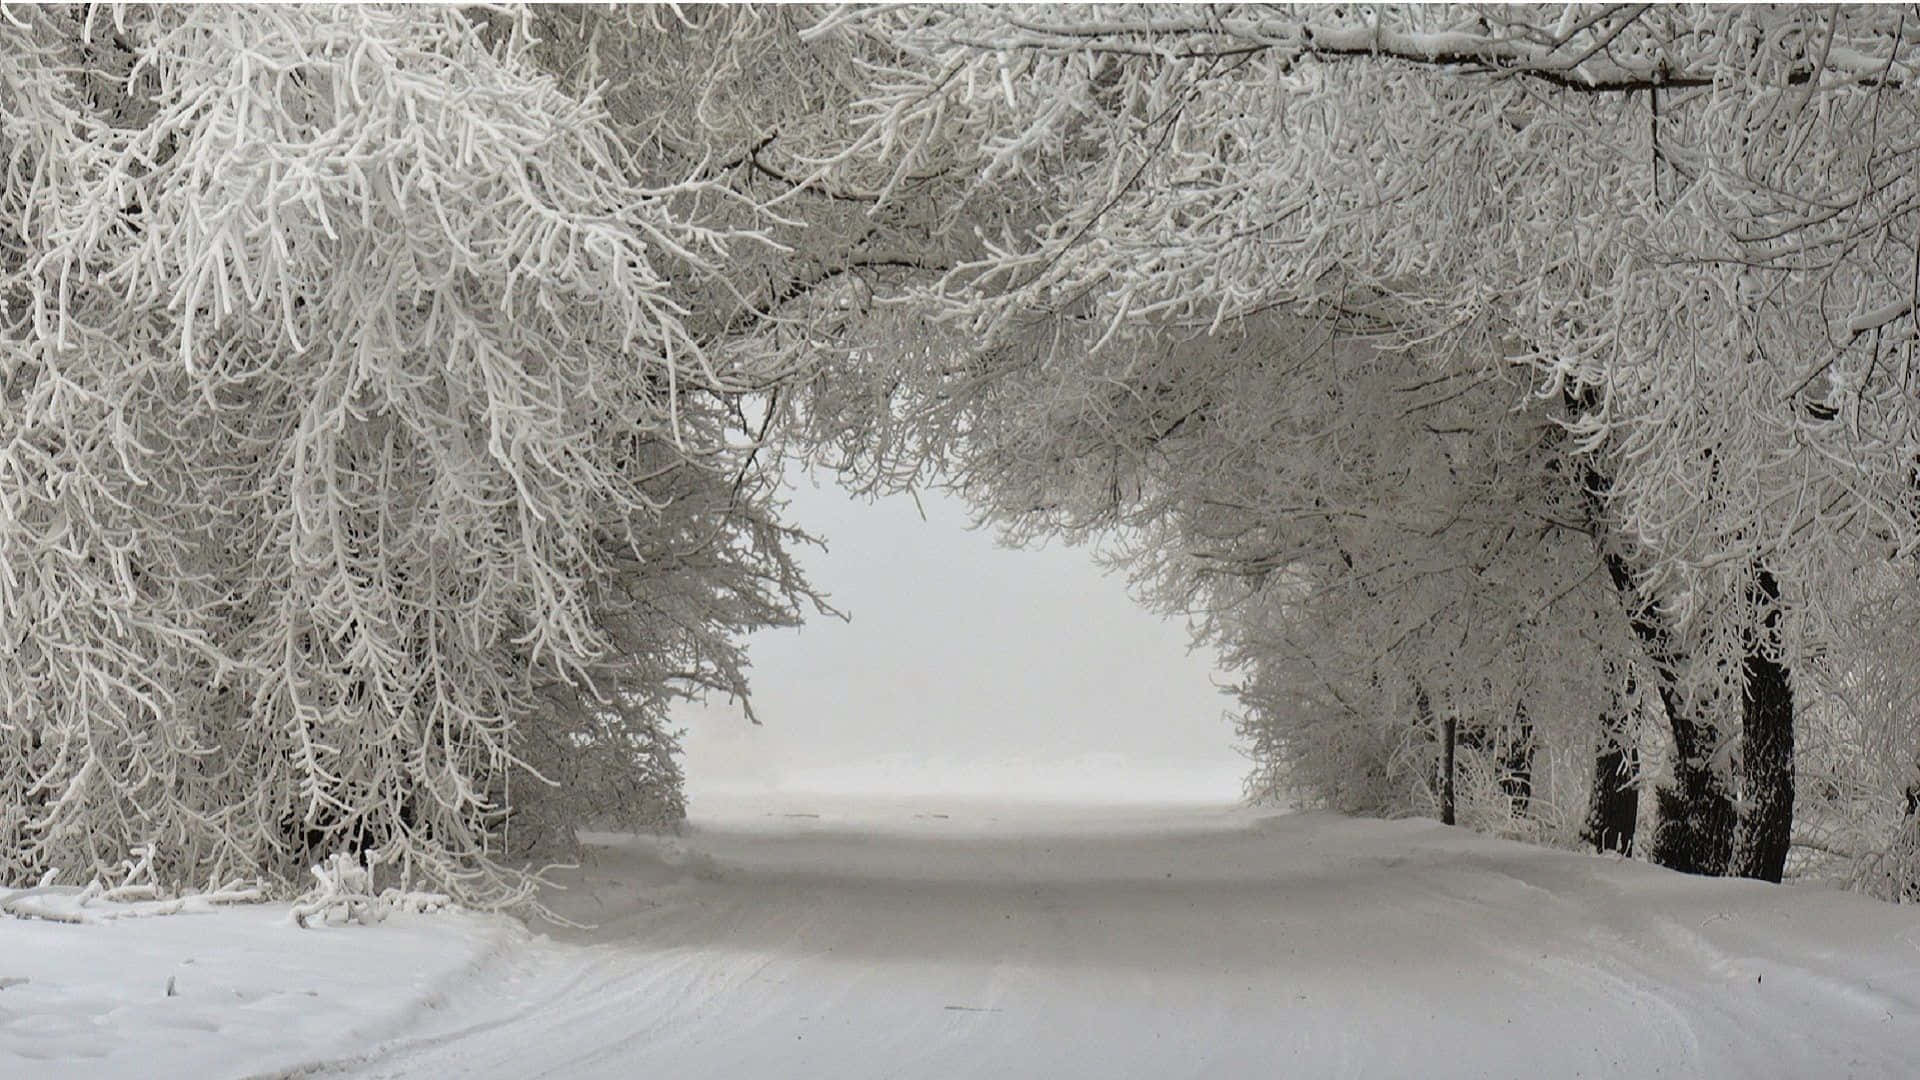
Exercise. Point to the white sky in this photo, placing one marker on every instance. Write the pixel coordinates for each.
(967, 669)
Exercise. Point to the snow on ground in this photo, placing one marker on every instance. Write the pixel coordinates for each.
(251, 994)
(815, 936)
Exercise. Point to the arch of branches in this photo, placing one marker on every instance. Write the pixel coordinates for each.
(388, 400)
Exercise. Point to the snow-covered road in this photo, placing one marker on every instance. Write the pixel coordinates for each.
(828, 939)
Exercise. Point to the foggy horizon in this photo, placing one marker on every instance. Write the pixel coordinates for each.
(967, 668)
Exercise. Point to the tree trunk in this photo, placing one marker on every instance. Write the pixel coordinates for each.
(1446, 731)
(1613, 809)
(1697, 815)
(1516, 764)
(1766, 753)
(1697, 819)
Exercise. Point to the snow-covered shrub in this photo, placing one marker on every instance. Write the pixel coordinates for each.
(345, 885)
(1327, 758)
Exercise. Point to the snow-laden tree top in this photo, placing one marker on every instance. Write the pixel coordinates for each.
(1703, 214)
(354, 382)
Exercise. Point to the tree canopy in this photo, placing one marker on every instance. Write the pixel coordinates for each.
(1680, 239)
(390, 400)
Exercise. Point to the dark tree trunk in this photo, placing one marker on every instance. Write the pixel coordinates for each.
(1516, 764)
(1766, 753)
(1445, 732)
(1697, 816)
(1613, 810)
(1613, 813)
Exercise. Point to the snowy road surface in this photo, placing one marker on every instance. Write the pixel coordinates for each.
(968, 941)
(825, 938)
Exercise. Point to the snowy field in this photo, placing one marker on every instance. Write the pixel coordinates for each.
(800, 936)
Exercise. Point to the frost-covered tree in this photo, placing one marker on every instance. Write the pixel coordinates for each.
(1381, 552)
(1690, 229)
(370, 474)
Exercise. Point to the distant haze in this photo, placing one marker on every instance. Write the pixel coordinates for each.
(967, 669)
